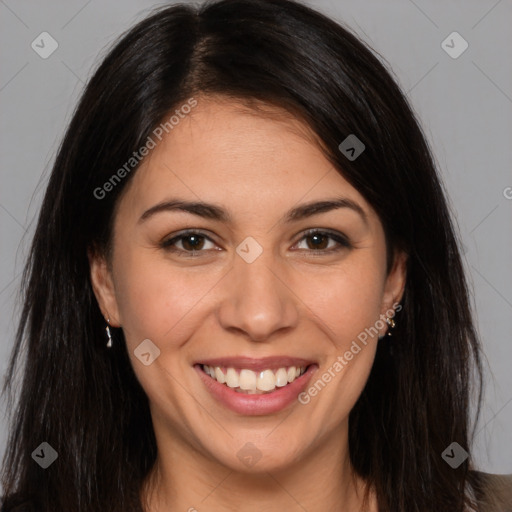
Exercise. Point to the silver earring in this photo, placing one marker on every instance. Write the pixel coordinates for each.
(109, 342)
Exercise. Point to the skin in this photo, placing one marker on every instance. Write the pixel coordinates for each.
(292, 300)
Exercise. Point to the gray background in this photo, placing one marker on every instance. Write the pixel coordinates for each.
(464, 105)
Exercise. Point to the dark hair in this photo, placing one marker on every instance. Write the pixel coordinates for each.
(85, 401)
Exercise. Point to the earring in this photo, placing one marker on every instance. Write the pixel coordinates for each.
(109, 342)
(391, 324)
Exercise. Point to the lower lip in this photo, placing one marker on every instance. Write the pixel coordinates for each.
(267, 403)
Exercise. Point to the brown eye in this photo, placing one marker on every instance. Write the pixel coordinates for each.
(324, 241)
(318, 241)
(192, 242)
(188, 242)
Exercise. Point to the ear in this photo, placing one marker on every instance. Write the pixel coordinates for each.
(395, 284)
(103, 286)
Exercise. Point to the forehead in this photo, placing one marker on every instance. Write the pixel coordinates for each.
(239, 156)
(219, 131)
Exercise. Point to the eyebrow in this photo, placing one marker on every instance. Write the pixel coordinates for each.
(214, 212)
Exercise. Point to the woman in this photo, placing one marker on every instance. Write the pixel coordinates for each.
(245, 290)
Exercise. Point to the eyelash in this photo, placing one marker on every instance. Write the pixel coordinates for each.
(342, 241)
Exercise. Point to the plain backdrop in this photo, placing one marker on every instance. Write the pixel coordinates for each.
(464, 105)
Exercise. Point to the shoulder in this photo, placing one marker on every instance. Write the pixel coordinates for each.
(493, 492)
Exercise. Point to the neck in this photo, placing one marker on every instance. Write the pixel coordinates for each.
(322, 480)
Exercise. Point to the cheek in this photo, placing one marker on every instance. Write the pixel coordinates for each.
(157, 301)
(349, 299)
(348, 302)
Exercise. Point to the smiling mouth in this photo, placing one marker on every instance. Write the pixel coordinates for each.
(251, 382)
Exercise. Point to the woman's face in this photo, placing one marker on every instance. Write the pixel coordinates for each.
(249, 293)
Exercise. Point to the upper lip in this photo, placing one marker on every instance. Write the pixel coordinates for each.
(257, 364)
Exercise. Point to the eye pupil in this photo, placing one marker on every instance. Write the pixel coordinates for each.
(196, 242)
(318, 237)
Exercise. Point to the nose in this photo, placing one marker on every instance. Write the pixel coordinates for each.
(257, 300)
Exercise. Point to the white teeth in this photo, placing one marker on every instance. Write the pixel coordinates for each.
(219, 375)
(247, 380)
(281, 377)
(232, 379)
(266, 381)
(250, 382)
